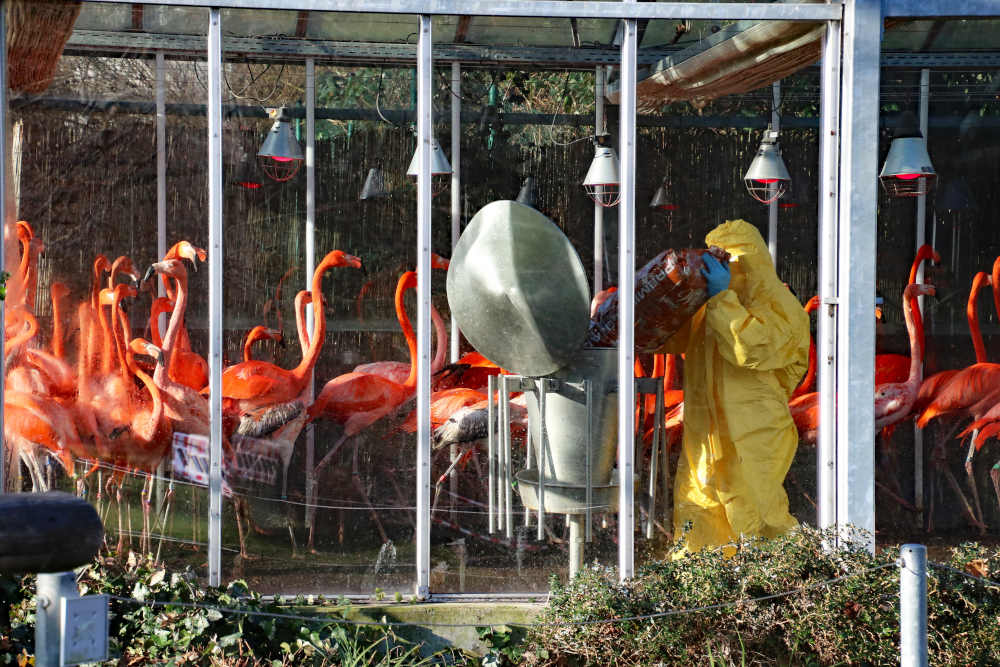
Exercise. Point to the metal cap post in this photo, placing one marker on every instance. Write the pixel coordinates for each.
(913, 605)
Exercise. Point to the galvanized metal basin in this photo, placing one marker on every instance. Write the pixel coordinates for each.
(518, 291)
(566, 419)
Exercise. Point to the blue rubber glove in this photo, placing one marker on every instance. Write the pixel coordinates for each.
(716, 275)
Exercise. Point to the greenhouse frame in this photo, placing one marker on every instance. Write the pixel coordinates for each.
(445, 40)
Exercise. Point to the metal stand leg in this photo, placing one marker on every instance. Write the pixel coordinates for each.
(576, 539)
(51, 588)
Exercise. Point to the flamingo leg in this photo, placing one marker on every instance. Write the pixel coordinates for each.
(242, 514)
(147, 491)
(311, 501)
(356, 480)
(965, 501)
(121, 528)
(455, 460)
(166, 515)
(995, 477)
(970, 474)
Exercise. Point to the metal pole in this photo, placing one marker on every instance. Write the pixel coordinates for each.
(215, 303)
(913, 605)
(626, 307)
(598, 209)
(310, 241)
(5, 209)
(856, 272)
(425, 132)
(456, 230)
(918, 434)
(826, 318)
(772, 207)
(161, 219)
(50, 589)
(456, 180)
(161, 171)
(576, 535)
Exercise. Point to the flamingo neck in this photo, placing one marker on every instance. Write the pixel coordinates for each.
(972, 315)
(118, 326)
(301, 299)
(24, 335)
(22, 268)
(155, 416)
(259, 332)
(669, 371)
(57, 328)
(914, 328)
(441, 333)
(302, 371)
(173, 328)
(407, 281)
(995, 284)
(100, 266)
(160, 306)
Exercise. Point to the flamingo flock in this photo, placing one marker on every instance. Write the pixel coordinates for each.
(90, 391)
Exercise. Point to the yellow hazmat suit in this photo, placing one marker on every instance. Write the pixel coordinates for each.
(745, 351)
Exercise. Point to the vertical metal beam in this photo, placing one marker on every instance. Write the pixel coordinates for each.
(626, 305)
(772, 207)
(425, 132)
(6, 209)
(913, 605)
(826, 318)
(921, 235)
(215, 302)
(856, 270)
(161, 173)
(456, 180)
(310, 242)
(598, 209)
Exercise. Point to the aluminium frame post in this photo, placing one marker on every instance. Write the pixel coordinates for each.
(161, 219)
(456, 181)
(425, 133)
(826, 320)
(913, 605)
(599, 75)
(215, 302)
(456, 229)
(857, 242)
(772, 206)
(6, 207)
(310, 243)
(921, 234)
(626, 305)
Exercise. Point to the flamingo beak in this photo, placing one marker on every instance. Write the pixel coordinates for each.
(156, 353)
(149, 272)
(353, 261)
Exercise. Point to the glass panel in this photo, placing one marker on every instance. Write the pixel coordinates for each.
(326, 506)
(348, 27)
(957, 492)
(86, 186)
(692, 161)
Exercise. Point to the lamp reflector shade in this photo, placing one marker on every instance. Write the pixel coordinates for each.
(908, 171)
(281, 155)
(246, 174)
(374, 187)
(602, 180)
(661, 201)
(526, 195)
(767, 179)
(439, 163)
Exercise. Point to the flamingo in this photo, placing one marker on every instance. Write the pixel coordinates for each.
(58, 293)
(895, 367)
(259, 332)
(358, 400)
(809, 381)
(250, 385)
(186, 366)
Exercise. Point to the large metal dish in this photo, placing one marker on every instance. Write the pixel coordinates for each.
(517, 289)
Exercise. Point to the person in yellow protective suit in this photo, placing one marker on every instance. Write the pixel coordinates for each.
(745, 351)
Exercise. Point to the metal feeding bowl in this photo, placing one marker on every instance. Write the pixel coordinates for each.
(517, 289)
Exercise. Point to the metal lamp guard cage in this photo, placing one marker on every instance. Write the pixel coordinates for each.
(849, 128)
